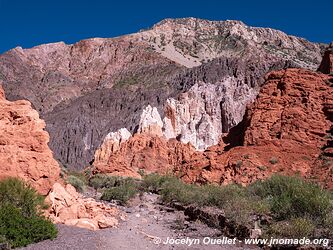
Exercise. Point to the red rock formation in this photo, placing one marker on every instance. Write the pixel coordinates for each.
(70, 208)
(286, 130)
(24, 152)
(147, 152)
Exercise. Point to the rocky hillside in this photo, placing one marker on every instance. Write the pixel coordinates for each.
(199, 74)
(288, 129)
(24, 152)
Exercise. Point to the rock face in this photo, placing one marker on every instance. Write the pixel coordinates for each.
(110, 145)
(285, 131)
(70, 208)
(146, 152)
(203, 113)
(150, 122)
(288, 130)
(326, 65)
(24, 152)
(86, 90)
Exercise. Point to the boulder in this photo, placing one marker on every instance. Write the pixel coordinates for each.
(71, 208)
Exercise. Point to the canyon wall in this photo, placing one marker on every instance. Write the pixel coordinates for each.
(287, 130)
(86, 90)
(24, 152)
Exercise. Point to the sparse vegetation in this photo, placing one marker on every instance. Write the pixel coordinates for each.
(292, 197)
(273, 160)
(21, 219)
(295, 206)
(122, 191)
(298, 228)
(76, 182)
(262, 168)
(115, 187)
(239, 163)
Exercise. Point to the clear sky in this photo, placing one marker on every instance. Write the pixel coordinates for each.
(27, 23)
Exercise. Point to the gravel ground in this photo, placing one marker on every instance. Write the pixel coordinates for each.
(148, 225)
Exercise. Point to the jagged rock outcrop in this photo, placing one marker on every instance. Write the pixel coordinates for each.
(110, 145)
(287, 130)
(86, 90)
(326, 65)
(24, 152)
(146, 152)
(150, 122)
(70, 208)
(203, 113)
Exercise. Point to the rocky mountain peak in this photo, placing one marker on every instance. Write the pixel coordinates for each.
(192, 41)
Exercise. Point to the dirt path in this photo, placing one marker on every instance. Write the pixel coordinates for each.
(148, 226)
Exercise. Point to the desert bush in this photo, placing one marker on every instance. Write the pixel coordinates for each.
(21, 195)
(76, 182)
(20, 230)
(273, 160)
(153, 182)
(21, 219)
(121, 192)
(294, 204)
(104, 181)
(294, 228)
(292, 197)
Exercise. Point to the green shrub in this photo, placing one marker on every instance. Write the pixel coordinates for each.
(76, 182)
(273, 160)
(104, 181)
(220, 195)
(153, 182)
(295, 205)
(121, 193)
(21, 195)
(292, 197)
(176, 190)
(20, 230)
(262, 168)
(21, 219)
(294, 228)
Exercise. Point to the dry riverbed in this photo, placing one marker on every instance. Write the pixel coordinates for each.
(148, 225)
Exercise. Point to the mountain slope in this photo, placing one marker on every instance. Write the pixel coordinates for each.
(96, 86)
(287, 130)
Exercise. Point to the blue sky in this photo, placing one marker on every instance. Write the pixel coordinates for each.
(28, 23)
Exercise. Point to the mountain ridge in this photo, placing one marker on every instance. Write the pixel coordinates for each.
(91, 88)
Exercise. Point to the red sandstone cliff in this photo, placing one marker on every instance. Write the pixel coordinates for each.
(24, 152)
(286, 130)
